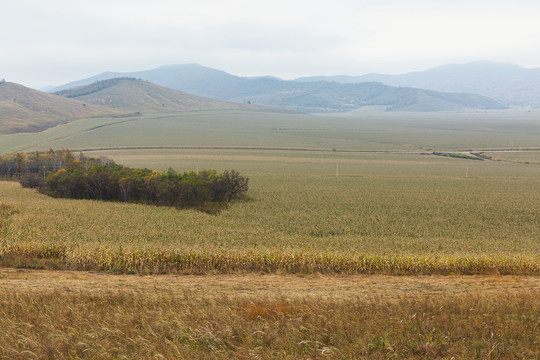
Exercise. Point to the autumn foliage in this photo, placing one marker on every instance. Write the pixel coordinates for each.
(61, 174)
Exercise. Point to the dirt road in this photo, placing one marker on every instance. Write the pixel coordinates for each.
(258, 285)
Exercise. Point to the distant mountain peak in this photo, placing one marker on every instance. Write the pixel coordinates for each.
(318, 95)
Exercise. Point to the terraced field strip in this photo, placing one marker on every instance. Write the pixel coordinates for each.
(472, 153)
(249, 148)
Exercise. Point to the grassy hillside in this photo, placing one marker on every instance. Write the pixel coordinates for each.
(27, 110)
(143, 96)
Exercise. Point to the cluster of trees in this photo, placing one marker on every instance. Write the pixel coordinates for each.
(59, 173)
(29, 165)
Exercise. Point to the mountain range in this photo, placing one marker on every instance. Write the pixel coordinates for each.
(305, 96)
(509, 84)
(480, 85)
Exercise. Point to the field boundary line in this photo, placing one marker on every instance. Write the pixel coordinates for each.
(268, 148)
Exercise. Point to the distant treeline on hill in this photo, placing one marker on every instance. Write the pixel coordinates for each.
(61, 174)
(92, 88)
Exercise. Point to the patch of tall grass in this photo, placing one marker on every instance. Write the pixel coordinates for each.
(140, 325)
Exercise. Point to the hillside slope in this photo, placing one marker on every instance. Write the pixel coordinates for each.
(26, 110)
(317, 96)
(143, 96)
(507, 83)
(327, 96)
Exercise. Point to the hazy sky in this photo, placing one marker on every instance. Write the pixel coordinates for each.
(51, 42)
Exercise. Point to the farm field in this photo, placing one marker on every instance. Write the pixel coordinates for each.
(65, 314)
(250, 281)
(516, 157)
(383, 214)
(372, 131)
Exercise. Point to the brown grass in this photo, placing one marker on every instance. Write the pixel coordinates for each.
(84, 315)
(26, 110)
(54, 325)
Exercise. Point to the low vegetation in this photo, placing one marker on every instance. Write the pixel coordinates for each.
(459, 155)
(45, 325)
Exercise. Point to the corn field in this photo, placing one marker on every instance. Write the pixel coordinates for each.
(370, 225)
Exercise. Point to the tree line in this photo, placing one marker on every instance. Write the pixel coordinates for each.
(62, 174)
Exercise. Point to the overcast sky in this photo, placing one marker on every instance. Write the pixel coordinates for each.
(56, 41)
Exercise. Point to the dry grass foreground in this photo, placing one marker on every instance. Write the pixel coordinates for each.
(64, 314)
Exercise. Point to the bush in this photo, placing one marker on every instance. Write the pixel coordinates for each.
(102, 179)
(32, 180)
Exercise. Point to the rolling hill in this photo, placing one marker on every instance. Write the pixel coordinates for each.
(507, 83)
(143, 96)
(313, 97)
(26, 110)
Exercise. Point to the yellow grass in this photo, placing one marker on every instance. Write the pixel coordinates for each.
(88, 315)
(47, 325)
